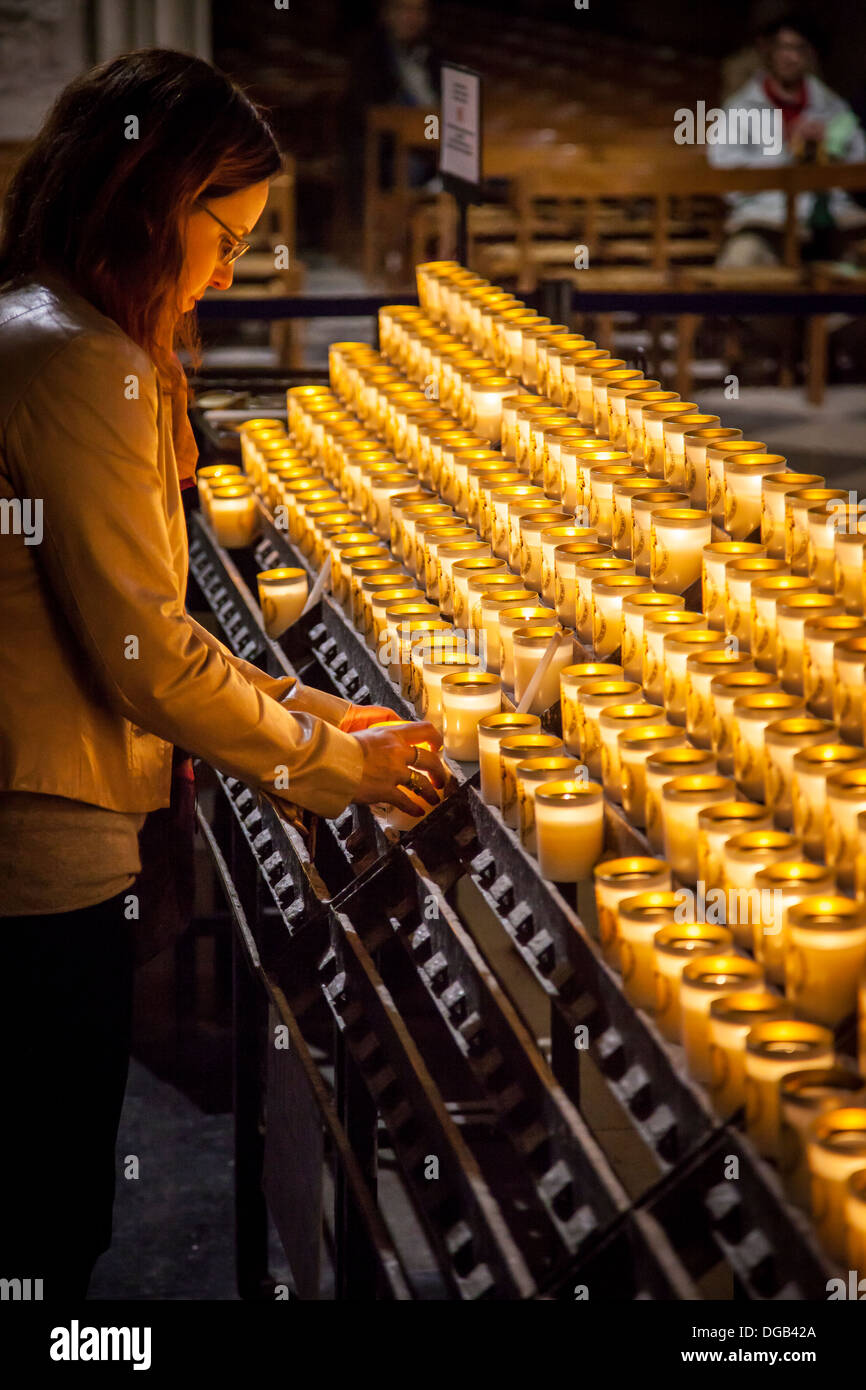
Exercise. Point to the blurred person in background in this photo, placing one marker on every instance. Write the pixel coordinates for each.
(817, 126)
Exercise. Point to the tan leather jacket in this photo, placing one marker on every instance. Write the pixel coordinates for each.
(101, 668)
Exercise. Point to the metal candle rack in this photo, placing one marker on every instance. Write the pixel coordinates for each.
(403, 1034)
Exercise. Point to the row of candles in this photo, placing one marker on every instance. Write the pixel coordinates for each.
(503, 560)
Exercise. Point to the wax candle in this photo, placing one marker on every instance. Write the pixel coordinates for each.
(624, 491)
(618, 396)
(344, 552)
(586, 570)
(835, 1151)
(569, 829)
(702, 981)
(531, 526)
(792, 613)
(212, 474)
(526, 416)
(607, 595)
(822, 635)
(750, 716)
(428, 634)
(377, 597)
(566, 560)
(586, 367)
(764, 598)
(446, 557)
(461, 573)
(463, 460)
(430, 536)
(674, 947)
(406, 519)
(552, 536)
(610, 468)
(740, 576)
(619, 879)
(716, 825)
(495, 602)
(732, 1018)
(490, 583)
(774, 488)
(682, 799)
(782, 886)
(601, 382)
(677, 648)
(824, 522)
(518, 513)
(643, 506)
(592, 696)
(674, 432)
(849, 562)
(234, 515)
(612, 721)
(638, 920)
(696, 442)
(635, 746)
(570, 680)
(849, 684)
(250, 429)
(783, 738)
(742, 476)
(486, 402)
(656, 628)
(510, 406)
(510, 619)
(395, 632)
(325, 524)
(716, 456)
(715, 559)
(507, 476)
(384, 568)
(282, 595)
(530, 644)
(724, 690)
(540, 427)
(552, 468)
(467, 697)
(803, 1097)
(810, 768)
(826, 956)
(515, 749)
(529, 775)
(743, 857)
(702, 666)
(662, 767)
(434, 667)
(491, 731)
(486, 473)
(653, 432)
(797, 506)
(635, 608)
(576, 455)
(500, 522)
(637, 404)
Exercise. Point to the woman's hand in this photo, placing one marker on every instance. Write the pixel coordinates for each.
(362, 716)
(393, 758)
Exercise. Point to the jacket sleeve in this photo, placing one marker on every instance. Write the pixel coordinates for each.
(76, 442)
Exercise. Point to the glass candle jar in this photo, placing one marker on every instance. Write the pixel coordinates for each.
(570, 680)
(655, 629)
(569, 829)
(849, 683)
(601, 384)
(518, 514)
(773, 1049)
(551, 538)
(518, 748)
(500, 499)
(574, 453)
(529, 775)
(643, 506)
(486, 397)
(607, 596)
(765, 595)
(860, 892)
(715, 559)
(623, 493)
(446, 557)
(526, 416)
(822, 635)
(803, 1097)
(609, 469)
(677, 539)
(636, 607)
(531, 527)
(682, 800)
(750, 716)
(531, 644)
(782, 886)
(510, 619)
(635, 746)
(702, 667)
(742, 476)
(702, 981)
(638, 920)
(663, 767)
(797, 505)
(641, 401)
(508, 425)
(716, 457)
(490, 583)
(617, 880)
(430, 538)
(234, 515)
(783, 738)
(539, 467)
(467, 697)
(618, 397)
(724, 690)
(612, 721)
(743, 858)
(696, 442)
(849, 563)
(593, 696)
(491, 731)
(493, 603)
(732, 1018)
(835, 1151)
(846, 798)
(826, 956)
(480, 513)
(585, 572)
(585, 369)
(417, 638)
(461, 573)
(674, 431)
(824, 522)
(774, 489)
(406, 520)
(716, 826)
(674, 947)
(282, 596)
(566, 560)
(792, 613)
(212, 475)
(740, 576)
(810, 768)
(654, 420)
(677, 648)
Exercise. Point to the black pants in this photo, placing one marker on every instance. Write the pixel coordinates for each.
(65, 1035)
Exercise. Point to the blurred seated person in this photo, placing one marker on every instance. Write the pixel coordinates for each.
(817, 126)
(391, 64)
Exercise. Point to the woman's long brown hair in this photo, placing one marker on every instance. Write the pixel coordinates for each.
(101, 199)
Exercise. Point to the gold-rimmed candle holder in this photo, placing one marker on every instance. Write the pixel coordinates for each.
(724, 690)
(676, 473)
(467, 697)
(643, 506)
(715, 559)
(551, 537)
(234, 515)
(613, 720)
(585, 573)
(744, 856)
(773, 1049)
(674, 947)
(567, 559)
(282, 596)
(569, 829)
(792, 614)
(618, 396)
(530, 644)
(782, 886)
(677, 647)
(702, 982)
(824, 522)
(835, 1152)
(635, 746)
(608, 594)
(682, 799)
(532, 526)
(718, 824)
(530, 774)
(500, 501)
(570, 680)
(849, 564)
(602, 381)
(732, 1018)
(696, 441)
(750, 716)
(616, 880)
(797, 506)
(494, 602)
(717, 454)
(826, 956)
(514, 749)
(774, 489)
(608, 469)
(742, 476)
(654, 420)
(701, 669)
(656, 628)
(849, 687)
(636, 407)
(492, 729)
(741, 574)
(783, 739)
(821, 637)
(461, 573)
(846, 798)
(638, 920)
(592, 696)
(810, 768)
(803, 1097)
(636, 607)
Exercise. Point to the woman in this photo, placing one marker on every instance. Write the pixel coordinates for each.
(145, 176)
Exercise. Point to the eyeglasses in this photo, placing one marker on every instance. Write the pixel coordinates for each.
(237, 247)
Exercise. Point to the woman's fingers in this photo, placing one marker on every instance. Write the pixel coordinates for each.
(422, 732)
(428, 761)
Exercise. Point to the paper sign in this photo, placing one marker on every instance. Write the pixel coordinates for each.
(460, 125)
